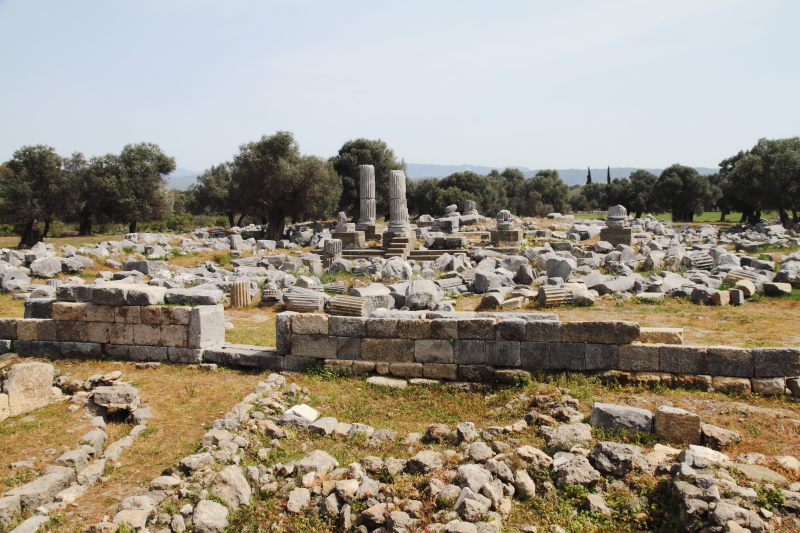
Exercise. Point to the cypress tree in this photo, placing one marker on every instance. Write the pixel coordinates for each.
(608, 175)
(588, 176)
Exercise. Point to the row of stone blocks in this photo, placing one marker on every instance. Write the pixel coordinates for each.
(116, 352)
(114, 294)
(153, 326)
(579, 356)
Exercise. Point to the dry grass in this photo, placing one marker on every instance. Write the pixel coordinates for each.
(253, 325)
(12, 242)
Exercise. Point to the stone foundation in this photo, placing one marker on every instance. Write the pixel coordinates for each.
(508, 235)
(617, 236)
(349, 237)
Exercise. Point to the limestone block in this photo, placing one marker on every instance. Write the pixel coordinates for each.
(730, 385)
(363, 367)
(146, 334)
(514, 329)
(433, 351)
(283, 332)
(730, 361)
(683, 359)
(72, 292)
(768, 386)
(469, 352)
(317, 346)
(39, 307)
(440, 371)
(615, 417)
(184, 355)
(475, 373)
(71, 331)
(602, 356)
(100, 313)
(600, 332)
(111, 294)
(128, 314)
(145, 295)
(345, 326)
(692, 381)
(8, 328)
(28, 329)
(119, 333)
(568, 355)
(535, 355)
(176, 336)
(97, 332)
(503, 353)
(639, 357)
(394, 350)
(43, 489)
(476, 329)
(81, 350)
(117, 352)
(406, 370)
(444, 328)
(310, 324)
(38, 348)
(677, 425)
(348, 348)
(543, 331)
(413, 329)
(661, 335)
(206, 326)
(117, 397)
(70, 311)
(382, 328)
(777, 289)
(4, 410)
(9, 508)
(771, 362)
(28, 386)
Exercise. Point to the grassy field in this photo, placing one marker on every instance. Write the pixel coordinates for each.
(708, 217)
(184, 403)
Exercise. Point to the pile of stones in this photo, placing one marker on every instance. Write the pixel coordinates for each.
(74, 471)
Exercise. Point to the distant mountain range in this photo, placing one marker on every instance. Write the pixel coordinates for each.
(182, 178)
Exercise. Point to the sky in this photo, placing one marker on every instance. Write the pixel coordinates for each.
(539, 84)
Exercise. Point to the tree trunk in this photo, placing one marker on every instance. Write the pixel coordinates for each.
(30, 235)
(239, 222)
(722, 214)
(638, 214)
(132, 227)
(46, 227)
(230, 219)
(274, 227)
(85, 228)
(784, 218)
(746, 216)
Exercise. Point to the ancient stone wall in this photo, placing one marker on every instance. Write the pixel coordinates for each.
(485, 348)
(117, 322)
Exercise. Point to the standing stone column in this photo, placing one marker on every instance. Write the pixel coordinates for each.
(367, 195)
(398, 208)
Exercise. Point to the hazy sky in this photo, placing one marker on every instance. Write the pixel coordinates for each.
(541, 84)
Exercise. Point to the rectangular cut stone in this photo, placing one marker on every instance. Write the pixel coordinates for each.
(363, 367)
(184, 355)
(206, 326)
(730, 361)
(475, 373)
(128, 315)
(175, 336)
(116, 295)
(511, 330)
(393, 350)
(683, 359)
(294, 363)
(97, 332)
(502, 353)
(117, 352)
(444, 328)
(71, 331)
(310, 324)
(729, 385)
(148, 353)
(38, 348)
(677, 425)
(160, 314)
(433, 351)
(73, 292)
(639, 357)
(476, 329)
(317, 346)
(147, 334)
(568, 355)
(469, 352)
(413, 329)
(120, 333)
(776, 362)
(535, 355)
(600, 332)
(71, 311)
(440, 371)
(348, 348)
(28, 329)
(100, 313)
(382, 328)
(283, 332)
(145, 295)
(81, 350)
(543, 331)
(8, 328)
(602, 356)
(661, 335)
(347, 326)
(406, 370)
